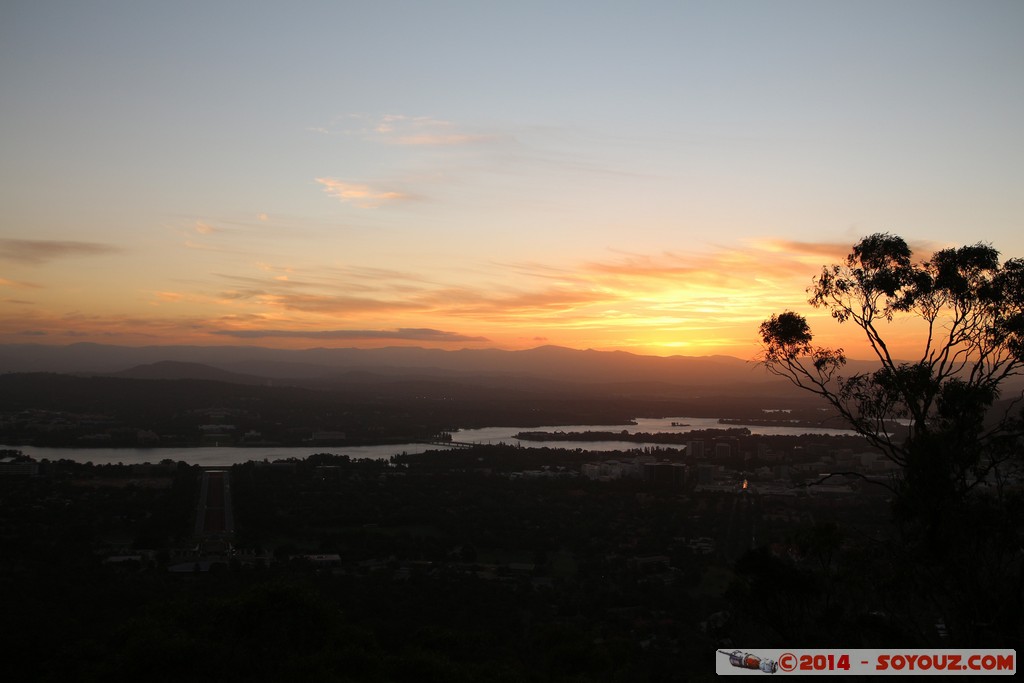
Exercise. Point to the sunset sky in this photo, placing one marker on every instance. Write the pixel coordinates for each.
(657, 177)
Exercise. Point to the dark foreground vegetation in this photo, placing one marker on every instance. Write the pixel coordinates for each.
(495, 563)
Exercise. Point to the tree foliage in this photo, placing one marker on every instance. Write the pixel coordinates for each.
(933, 414)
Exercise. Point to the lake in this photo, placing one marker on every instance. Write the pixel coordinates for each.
(210, 456)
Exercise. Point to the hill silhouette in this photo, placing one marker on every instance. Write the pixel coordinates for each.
(546, 370)
(550, 362)
(169, 369)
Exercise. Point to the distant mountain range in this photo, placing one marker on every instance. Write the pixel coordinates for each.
(248, 365)
(545, 368)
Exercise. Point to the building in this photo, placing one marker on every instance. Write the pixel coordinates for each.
(18, 467)
(665, 474)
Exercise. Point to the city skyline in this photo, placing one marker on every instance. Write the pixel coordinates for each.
(657, 178)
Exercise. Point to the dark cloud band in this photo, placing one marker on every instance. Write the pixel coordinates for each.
(409, 334)
(38, 251)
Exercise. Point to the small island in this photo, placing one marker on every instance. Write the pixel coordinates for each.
(637, 437)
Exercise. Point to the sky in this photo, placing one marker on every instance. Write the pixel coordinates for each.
(655, 177)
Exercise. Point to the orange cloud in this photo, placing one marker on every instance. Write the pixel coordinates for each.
(513, 307)
(435, 139)
(15, 284)
(335, 305)
(406, 334)
(359, 194)
(835, 252)
(106, 328)
(397, 129)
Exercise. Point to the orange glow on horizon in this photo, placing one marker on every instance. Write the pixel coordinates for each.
(697, 304)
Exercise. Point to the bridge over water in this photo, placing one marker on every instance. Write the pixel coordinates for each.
(452, 444)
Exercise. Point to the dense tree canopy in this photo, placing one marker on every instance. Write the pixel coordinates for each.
(936, 414)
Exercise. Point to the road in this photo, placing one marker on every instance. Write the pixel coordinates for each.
(214, 515)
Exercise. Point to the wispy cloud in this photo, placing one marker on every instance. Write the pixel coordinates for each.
(334, 294)
(764, 261)
(202, 246)
(836, 251)
(123, 328)
(360, 194)
(406, 334)
(522, 304)
(833, 251)
(333, 305)
(438, 139)
(401, 129)
(16, 284)
(41, 251)
(397, 129)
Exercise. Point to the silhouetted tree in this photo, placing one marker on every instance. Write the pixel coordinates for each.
(969, 309)
(938, 415)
